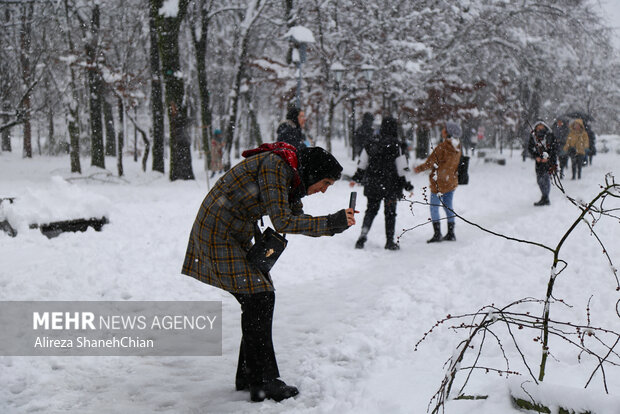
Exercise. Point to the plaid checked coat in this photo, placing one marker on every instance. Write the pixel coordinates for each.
(224, 227)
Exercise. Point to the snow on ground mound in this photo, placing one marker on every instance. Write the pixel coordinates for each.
(58, 200)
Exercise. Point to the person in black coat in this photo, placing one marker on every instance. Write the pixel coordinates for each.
(542, 147)
(381, 170)
(363, 134)
(290, 130)
(591, 141)
(560, 132)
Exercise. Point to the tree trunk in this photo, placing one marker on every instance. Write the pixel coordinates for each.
(157, 108)
(51, 142)
(255, 135)
(94, 90)
(290, 22)
(74, 137)
(180, 142)
(74, 111)
(330, 124)
(135, 140)
(234, 104)
(6, 134)
(121, 137)
(110, 133)
(200, 46)
(25, 43)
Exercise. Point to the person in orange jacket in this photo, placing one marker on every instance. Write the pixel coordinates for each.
(443, 163)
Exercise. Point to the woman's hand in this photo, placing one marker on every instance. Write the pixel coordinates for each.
(351, 216)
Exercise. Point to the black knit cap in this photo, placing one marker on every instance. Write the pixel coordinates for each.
(292, 114)
(316, 164)
(389, 127)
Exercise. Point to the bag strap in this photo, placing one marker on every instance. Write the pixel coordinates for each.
(257, 231)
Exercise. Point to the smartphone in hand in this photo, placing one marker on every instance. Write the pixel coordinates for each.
(352, 200)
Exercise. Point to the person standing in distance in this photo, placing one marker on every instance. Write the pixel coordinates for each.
(381, 170)
(291, 129)
(443, 163)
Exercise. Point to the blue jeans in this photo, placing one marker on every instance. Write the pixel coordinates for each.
(544, 182)
(436, 202)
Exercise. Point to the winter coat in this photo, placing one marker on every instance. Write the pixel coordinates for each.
(363, 134)
(577, 138)
(377, 168)
(291, 134)
(561, 134)
(443, 162)
(224, 227)
(545, 147)
(591, 141)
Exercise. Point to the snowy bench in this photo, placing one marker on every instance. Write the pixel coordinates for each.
(53, 229)
(53, 208)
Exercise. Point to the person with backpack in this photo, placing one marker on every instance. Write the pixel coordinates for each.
(271, 181)
(576, 146)
(381, 170)
(443, 180)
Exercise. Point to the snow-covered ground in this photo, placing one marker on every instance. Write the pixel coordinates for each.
(346, 320)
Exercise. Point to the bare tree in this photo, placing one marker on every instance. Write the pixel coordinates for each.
(482, 324)
(157, 107)
(97, 150)
(168, 26)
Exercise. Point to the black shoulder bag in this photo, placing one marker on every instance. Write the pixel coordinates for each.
(268, 245)
(461, 171)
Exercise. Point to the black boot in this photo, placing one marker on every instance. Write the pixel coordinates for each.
(450, 235)
(544, 201)
(359, 244)
(390, 245)
(437, 236)
(274, 389)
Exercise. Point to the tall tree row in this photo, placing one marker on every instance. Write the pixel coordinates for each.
(176, 70)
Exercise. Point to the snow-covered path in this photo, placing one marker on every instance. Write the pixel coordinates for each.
(346, 320)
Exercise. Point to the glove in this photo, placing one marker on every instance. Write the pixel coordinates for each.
(337, 222)
(405, 184)
(358, 177)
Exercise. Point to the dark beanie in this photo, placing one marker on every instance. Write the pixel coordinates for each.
(316, 164)
(292, 114)
(389, 127)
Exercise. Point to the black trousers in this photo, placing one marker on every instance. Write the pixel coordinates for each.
(576, 164)
(257, 359)
(389, 209)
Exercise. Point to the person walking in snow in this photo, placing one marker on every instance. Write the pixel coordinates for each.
(576, 145)
(560, 132)
(291, 129)
(381, 170)
(591, 152)
(363, 134)
(543, 148)
(443, 163)
(217, 152)
(271, 181)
